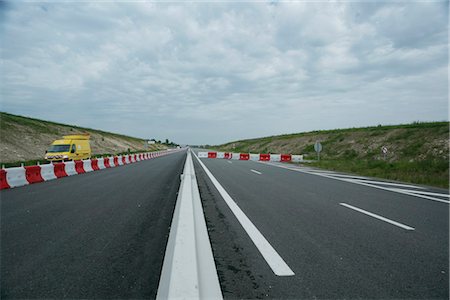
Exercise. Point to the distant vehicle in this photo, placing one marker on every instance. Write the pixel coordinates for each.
(71, 147)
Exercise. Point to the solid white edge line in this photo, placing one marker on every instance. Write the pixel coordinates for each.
(401, 191)
(431, 194)
(254, 171)
(421, 196)
(273, 259)
(378, 217)
(395, 190)
(390, 183)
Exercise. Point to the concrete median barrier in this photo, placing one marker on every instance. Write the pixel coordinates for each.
(188, 270)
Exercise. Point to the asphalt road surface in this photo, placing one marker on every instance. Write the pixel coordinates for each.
(315, 234)
(96, 235)
(334, 249)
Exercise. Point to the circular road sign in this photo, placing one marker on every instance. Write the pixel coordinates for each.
(318, 146)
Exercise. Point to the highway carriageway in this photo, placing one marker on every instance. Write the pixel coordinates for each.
(276, 231)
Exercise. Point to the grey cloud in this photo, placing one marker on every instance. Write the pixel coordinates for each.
(213, 72)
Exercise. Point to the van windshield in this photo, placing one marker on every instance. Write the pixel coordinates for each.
(59, 148)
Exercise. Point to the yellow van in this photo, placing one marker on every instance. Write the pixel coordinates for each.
(71, 147)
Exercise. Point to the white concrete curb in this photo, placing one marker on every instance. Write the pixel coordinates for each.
(188, 270)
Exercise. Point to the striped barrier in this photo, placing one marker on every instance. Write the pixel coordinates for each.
(20, 176)
(252, 156)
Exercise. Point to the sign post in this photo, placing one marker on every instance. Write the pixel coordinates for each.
(318, 149)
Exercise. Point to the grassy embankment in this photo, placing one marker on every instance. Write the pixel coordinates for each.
(418, 152)
(24, 140)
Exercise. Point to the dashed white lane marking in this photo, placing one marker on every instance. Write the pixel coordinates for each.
(254, 171)
(406, 227)
(378, 185)
(230, 162)
(273, 259)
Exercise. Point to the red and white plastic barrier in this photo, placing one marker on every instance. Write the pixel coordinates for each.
(252, 156)
(20, 176)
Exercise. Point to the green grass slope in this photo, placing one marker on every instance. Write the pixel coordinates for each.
(417, 152)
(24, 139)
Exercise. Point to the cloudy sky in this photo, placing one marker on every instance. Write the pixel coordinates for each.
(208, 72)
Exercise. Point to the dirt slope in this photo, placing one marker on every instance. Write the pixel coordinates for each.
(417, 153)
(412, 142)
(23, 139)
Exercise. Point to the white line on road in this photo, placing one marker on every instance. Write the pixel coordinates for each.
(401, 191)
(273, 259)
(378, 217)
(335, 174)
(430, 194)
(362, 182)
(419, 195)
(254, 171)
(230, 162)
(392, 184)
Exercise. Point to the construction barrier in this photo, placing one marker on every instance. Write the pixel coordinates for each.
(60, 170)
(16, 177)
(275, 157)
(203, 154)
(253, 156)
(94, 164)
(20, 176)
(70, 168)
(3, 182)
(264, 157)
(286, 157)
(100, 163)
(87, 165)
(48, 172)
(244, 156)
(79, 167)
(107, 161)
(33, 174)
